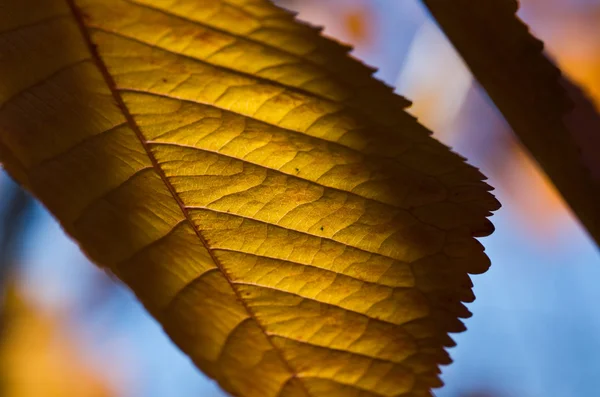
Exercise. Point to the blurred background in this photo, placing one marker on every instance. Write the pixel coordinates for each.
(67, 328)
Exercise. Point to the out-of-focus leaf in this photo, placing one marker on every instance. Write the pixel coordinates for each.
(295, 231)
(358, 23)
(37, 358)
(528, 89)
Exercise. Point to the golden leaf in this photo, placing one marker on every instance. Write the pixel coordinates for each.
(555, 121)
(295, 231)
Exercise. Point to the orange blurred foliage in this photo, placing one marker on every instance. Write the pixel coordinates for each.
(358, 24)
(38, 359)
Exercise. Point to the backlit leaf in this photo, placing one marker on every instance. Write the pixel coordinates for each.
(295, 231)
(557, 123)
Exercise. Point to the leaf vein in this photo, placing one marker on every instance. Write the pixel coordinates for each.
(294, 230)
(217, 248)
(79, 144)
(364, 392)
(366, 315)
(227, 69)
(299, 57)
(287, 130)
(37, 23)
(91, 204)
(153, 243)
(43, 81)
(338, 349)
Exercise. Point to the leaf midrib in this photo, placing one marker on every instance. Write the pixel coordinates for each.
(133, 125)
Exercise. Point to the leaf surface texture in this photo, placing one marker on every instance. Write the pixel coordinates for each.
(294, 230)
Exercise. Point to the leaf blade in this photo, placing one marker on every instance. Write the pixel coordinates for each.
(216, 195)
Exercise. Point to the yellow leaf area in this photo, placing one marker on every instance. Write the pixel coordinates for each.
(295, 231)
